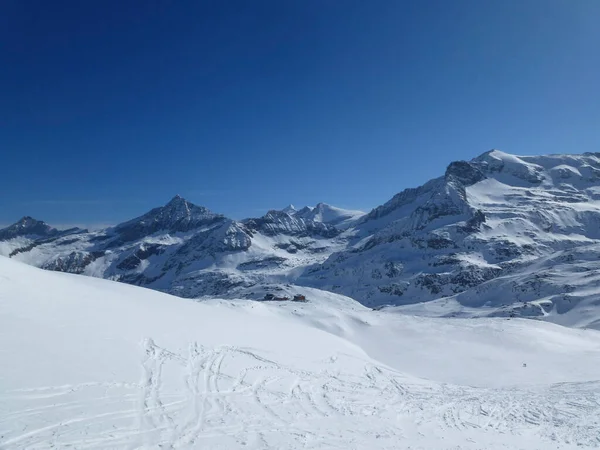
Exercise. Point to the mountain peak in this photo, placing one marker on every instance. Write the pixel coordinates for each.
(180, 206)
(27, 225)
(177, 199)
(492, 153)
(26, 221)
(289, 209)
(178, 215)
(331, 215)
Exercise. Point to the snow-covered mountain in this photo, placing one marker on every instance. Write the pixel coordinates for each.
(341, 218)
(179, 248)
(178, 215)
(89, 363)
(327, 214)
(28, 227)
(515, 235)
(497, 235)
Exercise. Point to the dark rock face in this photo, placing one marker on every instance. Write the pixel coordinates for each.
(131, 262)
(273, 261)
(229, 237)
(404, 198)
(475, 222)
(138, 279)
(463, 172)
(292, 247)
(393, 289)
(279, 222)
(210, 283)
(438, 243)
(74, 262)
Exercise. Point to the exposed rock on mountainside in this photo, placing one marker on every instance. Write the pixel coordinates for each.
(180, 248)
(503, 234)
(494, 230)
(28, 226)
(178, 215)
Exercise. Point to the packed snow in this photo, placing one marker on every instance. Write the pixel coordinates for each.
(90, 363)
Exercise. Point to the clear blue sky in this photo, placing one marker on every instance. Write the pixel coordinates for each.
(108, 108)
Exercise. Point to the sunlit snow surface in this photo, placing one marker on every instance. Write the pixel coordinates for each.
(88, 363)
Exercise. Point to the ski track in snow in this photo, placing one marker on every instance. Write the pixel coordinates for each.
(232, 397)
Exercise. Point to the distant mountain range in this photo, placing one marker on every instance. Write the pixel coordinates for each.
(498, 235)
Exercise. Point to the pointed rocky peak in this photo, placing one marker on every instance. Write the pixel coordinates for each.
(176, 201)
(276, 214)
(178, 208)
(179, 205)
(27, 226)
(178, 215)
(331, 215)
(290, 209)
(28, 222)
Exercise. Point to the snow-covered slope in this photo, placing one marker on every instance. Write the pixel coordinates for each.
(89, 363)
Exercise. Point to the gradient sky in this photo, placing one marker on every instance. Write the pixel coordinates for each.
(109, 108)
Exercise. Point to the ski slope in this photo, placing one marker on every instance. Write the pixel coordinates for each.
(89, 363)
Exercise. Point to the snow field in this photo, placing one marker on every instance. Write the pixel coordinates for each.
(89, 363)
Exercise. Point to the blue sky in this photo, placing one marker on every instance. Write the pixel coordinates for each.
(110, 108)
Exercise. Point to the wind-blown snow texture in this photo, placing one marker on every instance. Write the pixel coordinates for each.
(89, 363)
(499, 235)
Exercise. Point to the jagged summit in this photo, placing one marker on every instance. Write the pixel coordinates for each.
(178, 202)
(177, 199)
(321, 213)
(178, 215)
(331, 215)
(289, 209)
(25, 226)
(179, 207)
(28, 222)
(277, 222)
